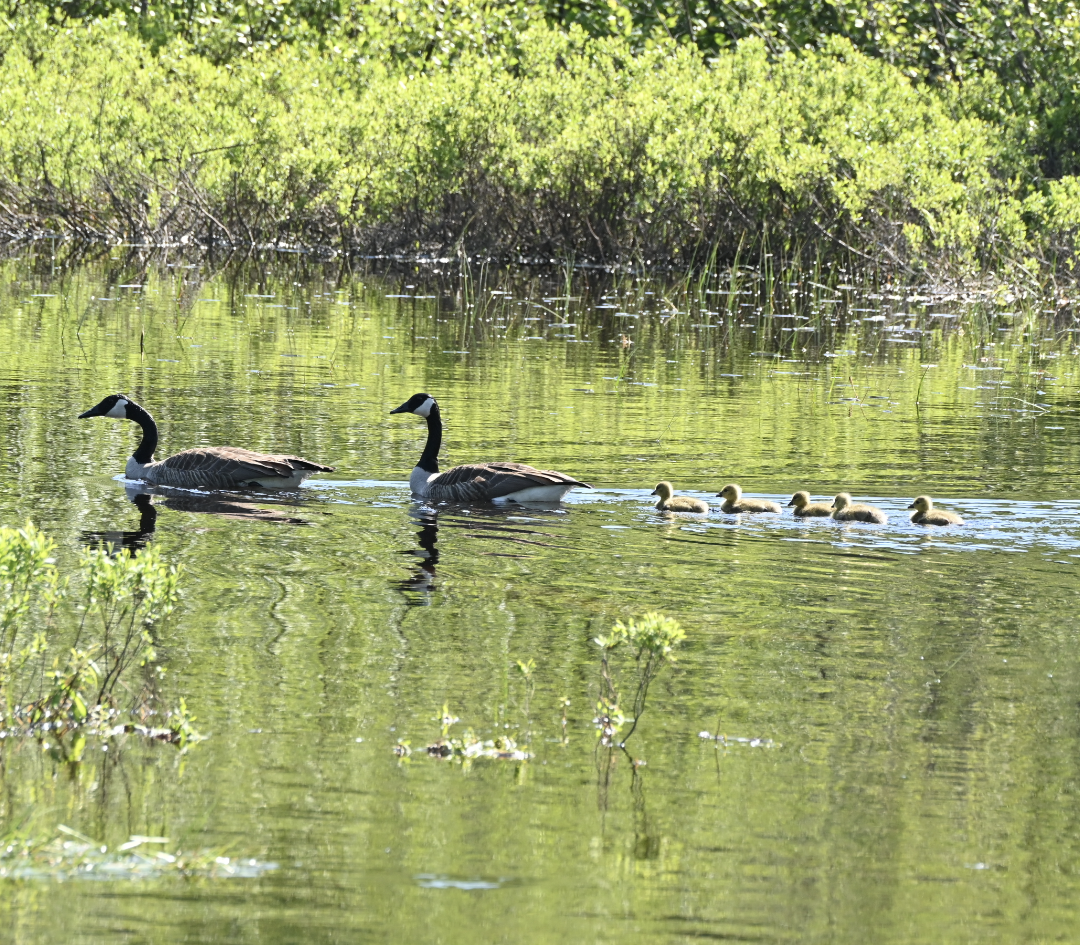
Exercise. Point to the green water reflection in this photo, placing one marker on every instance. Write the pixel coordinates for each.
(916, 693)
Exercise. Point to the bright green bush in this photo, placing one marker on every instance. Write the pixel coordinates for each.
(576, 147)
(77, 654)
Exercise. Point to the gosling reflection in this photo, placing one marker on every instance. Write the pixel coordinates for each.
(420, 585)
(223, 506)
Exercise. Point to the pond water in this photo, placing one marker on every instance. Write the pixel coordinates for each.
(900, 707)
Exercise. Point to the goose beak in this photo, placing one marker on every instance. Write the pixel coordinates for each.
(912, 505)
(404, 408)
(92, 412)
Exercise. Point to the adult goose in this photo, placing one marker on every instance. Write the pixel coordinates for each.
(669, 502)
(213, 467)
(477, 482)
(844, 510)
(734, 501)
(804, 508)
(926, 514)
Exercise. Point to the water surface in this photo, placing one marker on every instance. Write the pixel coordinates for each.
(899, 706)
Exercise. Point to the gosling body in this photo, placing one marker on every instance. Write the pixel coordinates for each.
(926, 514)
(212, 467)
(669, 502)
(734, 502)
(477, 482)
(804, 508)
(844, 510)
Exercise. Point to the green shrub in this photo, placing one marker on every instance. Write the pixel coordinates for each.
(77, 654)
(576, 147)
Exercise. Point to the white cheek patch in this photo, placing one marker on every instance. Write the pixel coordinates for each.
(425, 408)
(118, 410)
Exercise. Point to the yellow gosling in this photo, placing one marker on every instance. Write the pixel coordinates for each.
(804, 508)
(844, 510)
(734, 502)
(669, 502)
(926, 514)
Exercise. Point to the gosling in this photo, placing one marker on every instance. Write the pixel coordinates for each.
(845, 511)
(926, 514)
(734, 502)
(669, 502)
(804, 508)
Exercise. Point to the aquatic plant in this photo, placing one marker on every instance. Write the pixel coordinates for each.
(77, 654)
(651, 640)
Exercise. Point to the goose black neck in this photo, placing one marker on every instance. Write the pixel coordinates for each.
(429, 459)
(145, 452)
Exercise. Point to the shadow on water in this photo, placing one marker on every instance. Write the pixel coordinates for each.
(223, 506)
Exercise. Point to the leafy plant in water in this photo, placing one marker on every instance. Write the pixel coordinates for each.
(651, 641)
(82, 660)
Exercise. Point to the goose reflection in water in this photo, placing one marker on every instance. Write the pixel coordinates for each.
(224, 506)
(419, 586)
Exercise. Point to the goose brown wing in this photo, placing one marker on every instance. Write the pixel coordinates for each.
(230, 462)
(495, 480)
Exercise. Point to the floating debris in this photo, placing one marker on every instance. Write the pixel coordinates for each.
(735, 740)
(80, 857)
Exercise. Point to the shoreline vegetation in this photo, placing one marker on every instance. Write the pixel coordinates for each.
(611, 135)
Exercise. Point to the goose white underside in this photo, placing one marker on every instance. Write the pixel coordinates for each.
(535, 494)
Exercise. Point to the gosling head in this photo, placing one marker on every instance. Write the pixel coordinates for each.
(664, 490)
(922, 503)
(841, 501)
(800, 500)
(115, 406)
(731, 492)
(420, 404)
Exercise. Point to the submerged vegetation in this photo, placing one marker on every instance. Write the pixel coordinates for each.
(77, 653)
(624, 134)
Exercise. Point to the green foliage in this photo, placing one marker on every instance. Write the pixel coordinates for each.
(577, 147)
(78, 653)
(651, 640)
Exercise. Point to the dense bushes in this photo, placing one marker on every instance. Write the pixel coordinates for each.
(577, 146)
(402, 126)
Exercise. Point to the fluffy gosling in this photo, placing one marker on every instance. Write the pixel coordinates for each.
(926, 514)
(804, 508)
(844, 510)
(669, 502)
(734, 502)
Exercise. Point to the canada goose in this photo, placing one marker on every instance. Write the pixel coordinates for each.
(926, 514)
(214, 467)
(804, 508)
(669, 502)
(477, 482)
(845, 511)
(734, 502)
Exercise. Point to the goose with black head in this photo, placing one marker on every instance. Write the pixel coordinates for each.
(212, 467)
(477, 482)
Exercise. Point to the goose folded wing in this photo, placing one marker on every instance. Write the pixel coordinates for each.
(502, 479)
(239, 464)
